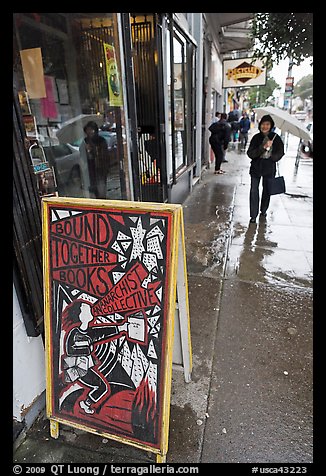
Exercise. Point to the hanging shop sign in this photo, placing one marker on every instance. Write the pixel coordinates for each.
(112, 272)
(243, 72)
(113, 76)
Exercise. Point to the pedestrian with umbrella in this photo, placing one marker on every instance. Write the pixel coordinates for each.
(265, 149)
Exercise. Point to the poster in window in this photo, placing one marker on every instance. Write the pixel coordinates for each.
(48, 105)
(110, 283)
(62, 88)
(46, 183)
(30, 125)
(24, 103)
(113, 76)
(43, 131)
(32, 65)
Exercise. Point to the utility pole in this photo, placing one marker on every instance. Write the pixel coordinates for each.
(257, 96)
(289, 86)
(288, 93)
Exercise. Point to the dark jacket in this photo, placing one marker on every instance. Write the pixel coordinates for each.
(99, 154)
(244, 125)
(221, 132)
(260, 166)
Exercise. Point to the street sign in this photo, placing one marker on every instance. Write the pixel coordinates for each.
(288, 92)
(289, 82)
(113, 273)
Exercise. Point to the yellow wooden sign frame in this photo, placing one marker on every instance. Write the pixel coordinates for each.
(177, 233)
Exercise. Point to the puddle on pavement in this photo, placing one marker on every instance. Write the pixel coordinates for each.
(206, 242)
(255, 256)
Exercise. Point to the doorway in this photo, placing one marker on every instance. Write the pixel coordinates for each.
(147, 61)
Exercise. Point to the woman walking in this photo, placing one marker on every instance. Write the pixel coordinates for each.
(265, 149)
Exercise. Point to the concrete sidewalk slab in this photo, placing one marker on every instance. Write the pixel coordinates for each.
(261, 388)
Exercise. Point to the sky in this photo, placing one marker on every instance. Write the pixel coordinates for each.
(280, 72)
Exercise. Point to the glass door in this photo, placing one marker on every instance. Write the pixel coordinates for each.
(181, 80)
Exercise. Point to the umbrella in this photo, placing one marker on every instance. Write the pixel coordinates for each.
(73, 130)
(284, 121)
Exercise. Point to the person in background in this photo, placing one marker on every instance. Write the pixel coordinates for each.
(94, 149)
(265, 149)
(217, 117)
(233, 119)
(244, 129)
(219, 140)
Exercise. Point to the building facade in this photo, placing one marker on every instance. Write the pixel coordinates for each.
(110, 106)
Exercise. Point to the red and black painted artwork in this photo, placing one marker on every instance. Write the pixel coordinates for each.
(108, 278)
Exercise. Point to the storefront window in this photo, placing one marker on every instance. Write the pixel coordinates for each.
(179, 65)
(181, 78)
(67, 71)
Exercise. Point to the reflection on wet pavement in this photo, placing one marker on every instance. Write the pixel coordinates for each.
(270, 253)
(277, 250)
(252, 283)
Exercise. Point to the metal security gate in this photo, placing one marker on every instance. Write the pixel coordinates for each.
(147, 61)
(27, 232)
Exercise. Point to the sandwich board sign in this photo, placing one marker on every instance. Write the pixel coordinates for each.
(114, 280)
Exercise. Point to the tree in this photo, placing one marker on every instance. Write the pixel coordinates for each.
(262, 93)
(304, 87)
(277, 36)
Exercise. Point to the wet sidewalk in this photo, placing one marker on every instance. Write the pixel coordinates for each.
(250, 295)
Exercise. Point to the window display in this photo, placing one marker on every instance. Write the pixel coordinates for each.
(67, 68)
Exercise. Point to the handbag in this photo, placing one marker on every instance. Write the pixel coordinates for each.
(276, 185)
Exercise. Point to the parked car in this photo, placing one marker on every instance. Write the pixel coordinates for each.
(64, 158)
(300, 115)
(66, 162)
(306, 146)
(110, 137)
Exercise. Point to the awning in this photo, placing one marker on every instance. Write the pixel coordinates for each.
(230, 31)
